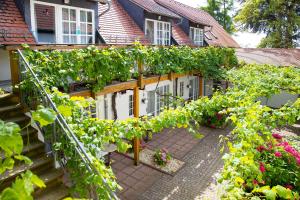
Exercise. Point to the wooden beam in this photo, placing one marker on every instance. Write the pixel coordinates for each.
(136, 113)
(200, 86)
(118, 87)
(84, 93)
(155, 79)
(14, 69)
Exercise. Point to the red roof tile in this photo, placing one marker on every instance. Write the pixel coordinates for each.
(117, 27)
(180, 37)
(278, 57)
(152, 7)
(13, 29)
(215, 36)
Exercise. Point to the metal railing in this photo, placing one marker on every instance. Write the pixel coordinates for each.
(39, 96)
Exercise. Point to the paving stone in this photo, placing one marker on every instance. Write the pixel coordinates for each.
(128, 170)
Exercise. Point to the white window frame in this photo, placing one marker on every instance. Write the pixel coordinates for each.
(130, 106)
(198, 35)
(194, 88)
(165, 26)
(181, 89)
(58, 21)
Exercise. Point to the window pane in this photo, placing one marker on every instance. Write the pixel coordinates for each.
(73, 40)
(83, 39)
(90, 29)
(73, 28)
(89, 17)
(65, 13)
(66, 27)
(150, 30)
(90, 39)
(82, 28)
(66, 39)
(82, 16)
(72, 15)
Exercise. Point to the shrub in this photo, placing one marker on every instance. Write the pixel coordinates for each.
(162, 157)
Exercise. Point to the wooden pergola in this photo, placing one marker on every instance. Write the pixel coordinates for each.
(134, 85)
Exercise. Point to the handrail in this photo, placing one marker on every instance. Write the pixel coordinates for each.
(67, 130)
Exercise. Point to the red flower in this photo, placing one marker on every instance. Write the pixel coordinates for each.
(277, 136)
(298, 160)
(260, 148)
(289, 186)
(262, 167)
(255, 182)
(278, 154)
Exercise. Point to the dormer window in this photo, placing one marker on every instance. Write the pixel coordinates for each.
(196, 35)
(158, 32)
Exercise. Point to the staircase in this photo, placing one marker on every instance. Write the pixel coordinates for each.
(43, 164)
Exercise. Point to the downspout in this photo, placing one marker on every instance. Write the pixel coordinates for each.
(108, 3)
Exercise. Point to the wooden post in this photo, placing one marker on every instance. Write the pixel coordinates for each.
(136, 113)
(200, 86)
(14, 69)
(141, 76)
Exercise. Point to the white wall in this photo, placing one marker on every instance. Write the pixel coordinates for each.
(4, 65)
(122, 100)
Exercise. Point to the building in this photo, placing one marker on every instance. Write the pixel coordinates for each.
(156, 22)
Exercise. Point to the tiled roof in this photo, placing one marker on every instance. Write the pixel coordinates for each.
(180, 37)
(214, 35)
(193, 14)
(278, 57)
(152, 7)
(117, 27)
(13, 29)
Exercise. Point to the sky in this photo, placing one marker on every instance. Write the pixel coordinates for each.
(244, 39)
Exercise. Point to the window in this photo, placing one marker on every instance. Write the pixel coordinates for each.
(158, 32)
(54, 23)
(105, 107)
(130, 105)
(77, 25)
(196, 35)
(162, 99)
(156, 102)
(181, 89)
(194, 89)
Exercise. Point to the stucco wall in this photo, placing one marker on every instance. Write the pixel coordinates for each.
(4, 65)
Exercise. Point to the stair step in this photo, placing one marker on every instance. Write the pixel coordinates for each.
(51, 178)
(29, 134)
(9, 99)
(54, 193)
(20, 120)
(34, 147)
(10, 108)
(37, 162)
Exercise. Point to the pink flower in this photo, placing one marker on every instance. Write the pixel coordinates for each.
(262, 167)
(260, 148)
(283, 144)
(255, 182)
(277, 136)
(278, 154)
(298, 160)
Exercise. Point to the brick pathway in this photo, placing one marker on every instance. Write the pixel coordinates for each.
(202, 161)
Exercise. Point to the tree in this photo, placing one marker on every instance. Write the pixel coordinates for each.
(279, 19)
(220, 10)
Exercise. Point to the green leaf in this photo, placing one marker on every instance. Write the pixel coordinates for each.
(66, 111)
(44, 116)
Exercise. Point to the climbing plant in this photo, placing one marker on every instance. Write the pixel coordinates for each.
(98, 67)
(253, 122)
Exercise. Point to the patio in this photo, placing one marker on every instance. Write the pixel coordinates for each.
(202, 160)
